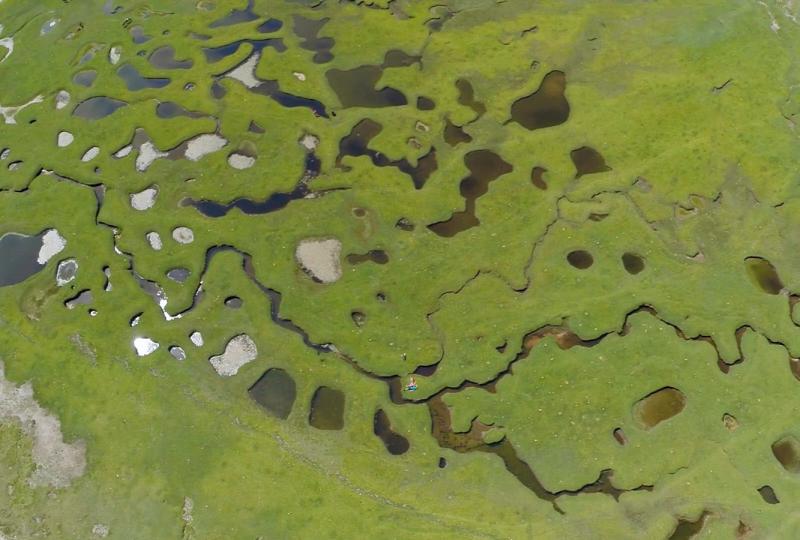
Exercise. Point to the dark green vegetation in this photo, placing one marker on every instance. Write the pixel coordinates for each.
(576, 225)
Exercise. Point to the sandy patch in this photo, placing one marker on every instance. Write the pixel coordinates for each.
(321, 259)
(145, 199)
(52, 244)
(239, 351)
(57, 463)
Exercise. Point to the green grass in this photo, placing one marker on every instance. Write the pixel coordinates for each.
(698, 166)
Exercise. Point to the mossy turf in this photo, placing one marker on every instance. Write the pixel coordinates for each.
(543, 332)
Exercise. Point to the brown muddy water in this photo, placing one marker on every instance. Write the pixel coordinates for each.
(395, 443)
(659, 406)
(580, 259)
(485, 167)
(787, 452)
(546, 107)
(633, 263)
(327, 409)
(764, 275)
(588, 161)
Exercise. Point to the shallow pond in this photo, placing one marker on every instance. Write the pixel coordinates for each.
(485, 167)
(588, 161)
(787, 452)
(19, 257)
(395, 443)
(164, 58)
(97, 107)
(275, 391)
(763, 274)
(327, 409)
(356, 144)
(356, 88)
(546, 107)
(307, 30)
(659, 406)
(135, 82)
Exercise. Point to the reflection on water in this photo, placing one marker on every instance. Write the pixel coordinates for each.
(97, 107)
(19, 255)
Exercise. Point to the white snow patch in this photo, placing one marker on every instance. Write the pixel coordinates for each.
(145, 199)
(773, 24)
(10, 113)
(90, 154)
(241, 161)
(48, 26)
(62, 99)
(183, 235)
(203, 145)
(65, 139)
(309, 142)
(57, 462)
(321, 258)
(66, 272)
(114, 55)
(196, 338)
(7, 43)
(124, 151)
(145, 346)
(239, 351)
(245, 72)
(154, 239)
(52, 244)
(148, 153)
